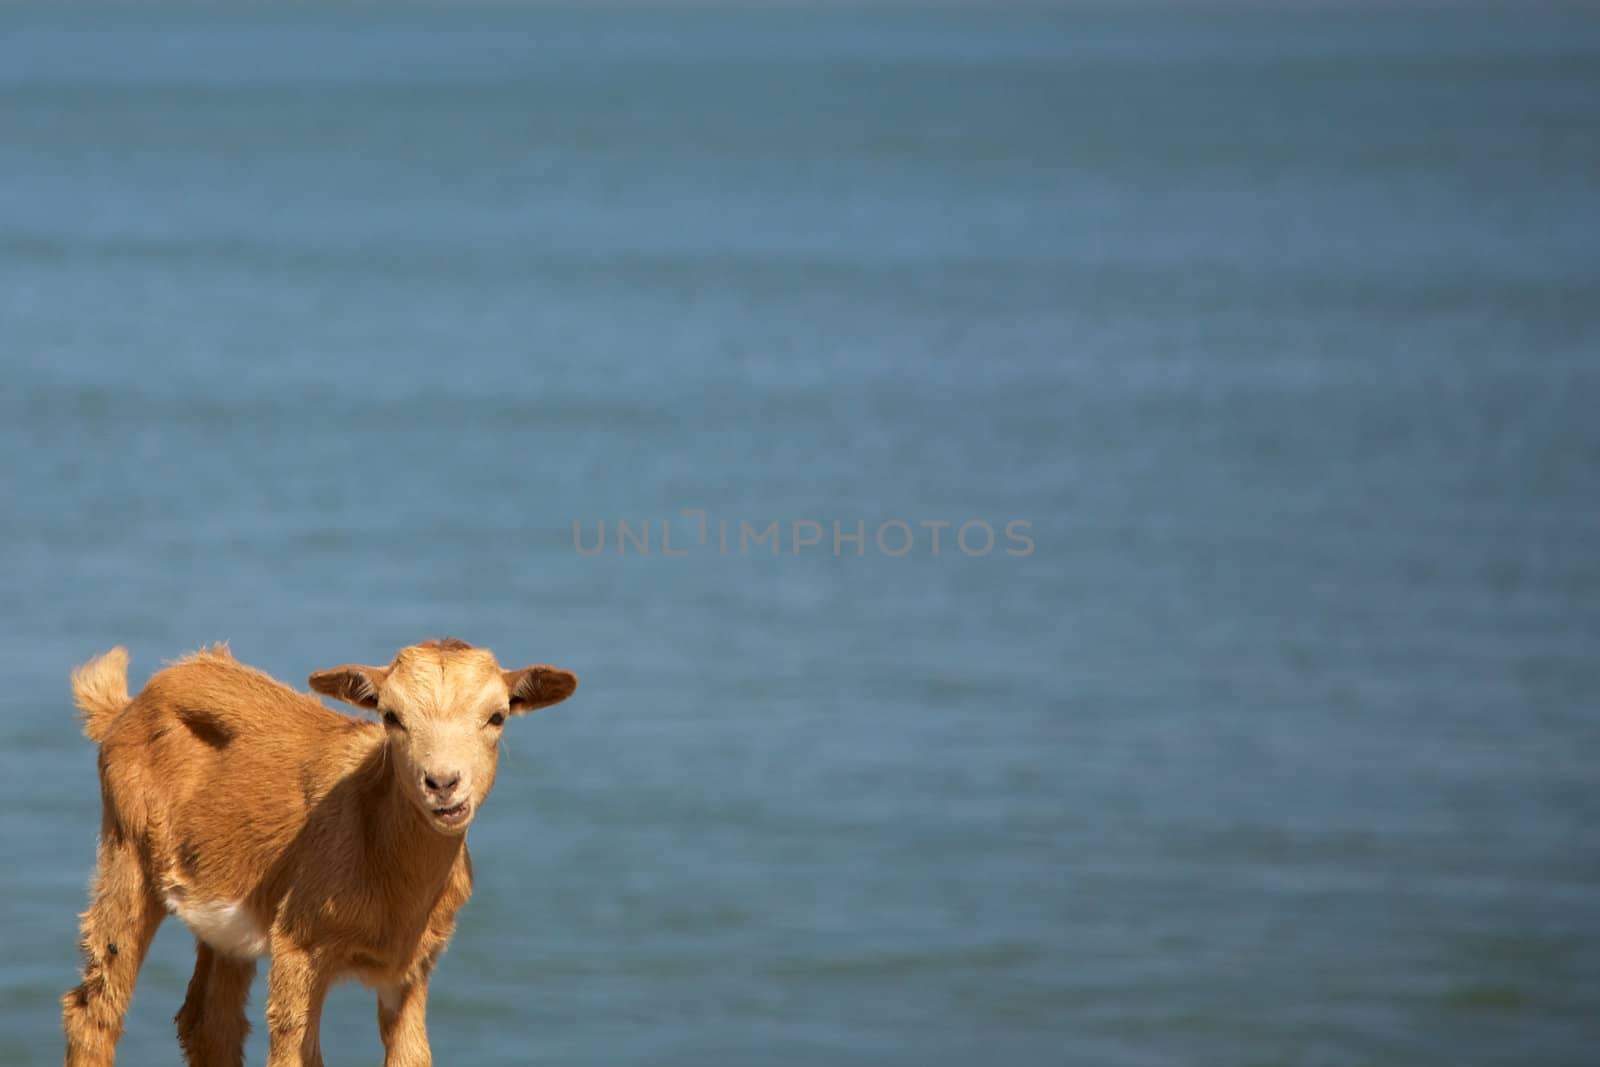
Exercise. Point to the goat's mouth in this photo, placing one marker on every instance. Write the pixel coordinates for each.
(454, 816)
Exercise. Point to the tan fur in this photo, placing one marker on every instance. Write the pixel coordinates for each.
(272, 824)
(100, 688)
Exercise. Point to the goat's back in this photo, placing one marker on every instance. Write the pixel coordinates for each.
(219, 767)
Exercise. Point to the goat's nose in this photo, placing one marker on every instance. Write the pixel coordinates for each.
(441, 783)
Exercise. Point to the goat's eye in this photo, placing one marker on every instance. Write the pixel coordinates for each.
(497, 719)
(391, 719)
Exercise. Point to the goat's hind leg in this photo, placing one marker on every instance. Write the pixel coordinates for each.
(117, 929)
(212, 1024)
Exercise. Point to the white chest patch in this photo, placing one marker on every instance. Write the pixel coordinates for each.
(225, 925)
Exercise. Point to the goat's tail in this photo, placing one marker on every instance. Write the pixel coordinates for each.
(100, 688)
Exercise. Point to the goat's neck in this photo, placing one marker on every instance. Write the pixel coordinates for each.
(405, 848)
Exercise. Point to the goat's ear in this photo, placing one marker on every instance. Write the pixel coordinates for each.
(538, 687)
(351, 684)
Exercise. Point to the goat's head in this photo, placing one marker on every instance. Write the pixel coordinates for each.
(443, 704)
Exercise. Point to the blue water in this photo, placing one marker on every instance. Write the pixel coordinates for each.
(1280, 331)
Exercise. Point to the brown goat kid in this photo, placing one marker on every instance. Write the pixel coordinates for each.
(275, 826)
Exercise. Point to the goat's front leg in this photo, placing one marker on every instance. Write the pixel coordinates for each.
(402, 1022)
(296, 985)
